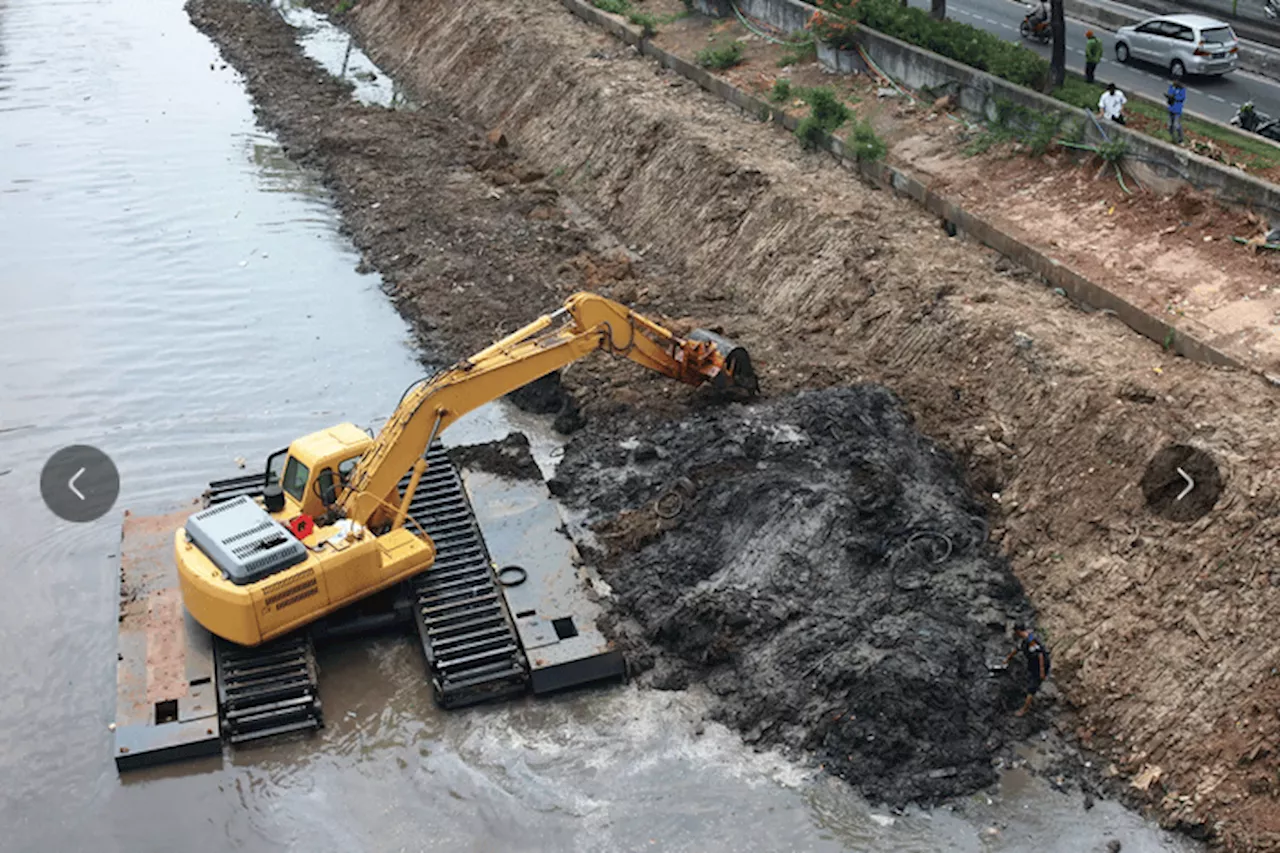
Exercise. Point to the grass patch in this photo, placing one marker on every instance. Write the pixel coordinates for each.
(865, 143)
(647, 23)
(781, 91)
(798, 54)
(720, 57)
(1014, 123)
(344, 6)
(826, 113)
(613, 7)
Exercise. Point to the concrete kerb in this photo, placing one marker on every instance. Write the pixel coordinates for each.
(1080, 290)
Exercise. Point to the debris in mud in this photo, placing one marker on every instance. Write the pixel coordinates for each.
(509, 457)
(826, 575)
(1181, 483)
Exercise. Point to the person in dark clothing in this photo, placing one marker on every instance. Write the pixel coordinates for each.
(1037, 662)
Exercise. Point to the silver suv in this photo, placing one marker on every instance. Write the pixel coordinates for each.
(1182, 44)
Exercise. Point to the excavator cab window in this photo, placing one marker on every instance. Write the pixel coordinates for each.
(295, 479)
(345, 468)
(275, 466)
(325, 487)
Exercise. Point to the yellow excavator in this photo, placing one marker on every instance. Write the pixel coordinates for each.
(330, 528)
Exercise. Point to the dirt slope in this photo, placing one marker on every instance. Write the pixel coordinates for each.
(1166, 632)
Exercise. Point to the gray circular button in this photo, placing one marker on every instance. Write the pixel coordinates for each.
(79, 483)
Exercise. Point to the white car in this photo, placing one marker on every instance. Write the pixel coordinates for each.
(1181, 44)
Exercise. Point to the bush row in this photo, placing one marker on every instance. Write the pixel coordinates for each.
(961, 42)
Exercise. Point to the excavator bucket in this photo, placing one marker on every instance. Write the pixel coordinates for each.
(738, 374)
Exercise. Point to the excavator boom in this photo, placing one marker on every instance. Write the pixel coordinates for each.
(586, 323)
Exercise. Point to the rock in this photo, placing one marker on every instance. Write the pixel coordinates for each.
(1113, 846)
(945, 104)
(496, 138)
(886, 92)
(1088, 801)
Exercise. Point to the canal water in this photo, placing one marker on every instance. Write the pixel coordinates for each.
(176, 293)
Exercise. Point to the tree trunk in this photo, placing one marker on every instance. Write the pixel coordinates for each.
(1058, 29)
(938, 9)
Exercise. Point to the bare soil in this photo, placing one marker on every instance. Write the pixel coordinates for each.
(1165, 632)
(1158, 243)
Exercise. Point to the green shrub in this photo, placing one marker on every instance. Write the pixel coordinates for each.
(824, 106)
(865, 143)
(809, 132)
(961, 42)
(826, 113)
(797, 54)
(1041, 136)
(781, 91)
(344, 6)
(614, 7)
(647, 23)
(724, 56)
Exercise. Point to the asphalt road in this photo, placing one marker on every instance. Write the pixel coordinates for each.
(1212, 97)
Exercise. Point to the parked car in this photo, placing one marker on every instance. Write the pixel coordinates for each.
(1181, 44)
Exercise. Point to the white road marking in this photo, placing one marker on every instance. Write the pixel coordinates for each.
(1194, 89)
(1216, 98)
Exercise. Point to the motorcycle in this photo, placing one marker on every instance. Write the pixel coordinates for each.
(1248, 118)
(1039, 31)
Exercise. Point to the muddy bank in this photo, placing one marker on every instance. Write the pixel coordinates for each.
(823, 570)
(1054, 415)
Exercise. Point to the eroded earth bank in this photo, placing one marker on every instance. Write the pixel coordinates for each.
(824, 537)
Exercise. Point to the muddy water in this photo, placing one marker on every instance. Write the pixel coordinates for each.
(176, 293)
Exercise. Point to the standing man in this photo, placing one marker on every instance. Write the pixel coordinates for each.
(1176, 96)
(1037, 662)
(1092, 55)
(1111, 104)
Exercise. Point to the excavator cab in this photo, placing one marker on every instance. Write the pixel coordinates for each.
(308, 477)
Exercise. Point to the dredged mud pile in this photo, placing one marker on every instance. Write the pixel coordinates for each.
(822, 569)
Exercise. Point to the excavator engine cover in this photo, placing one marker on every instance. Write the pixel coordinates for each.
(735, 358)
(243, 541)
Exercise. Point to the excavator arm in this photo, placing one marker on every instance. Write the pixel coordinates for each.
(586, 323)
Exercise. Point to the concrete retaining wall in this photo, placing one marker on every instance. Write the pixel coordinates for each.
(1080, 290)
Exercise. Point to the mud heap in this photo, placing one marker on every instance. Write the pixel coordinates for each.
(821, 568)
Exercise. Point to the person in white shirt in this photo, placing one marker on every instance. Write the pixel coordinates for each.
(1111, 104)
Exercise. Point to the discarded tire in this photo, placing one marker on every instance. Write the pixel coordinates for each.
(1181, 483)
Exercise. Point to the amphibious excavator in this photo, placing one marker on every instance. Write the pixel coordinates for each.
(334, 522)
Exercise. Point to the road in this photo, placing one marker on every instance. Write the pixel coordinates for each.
(1210, 97)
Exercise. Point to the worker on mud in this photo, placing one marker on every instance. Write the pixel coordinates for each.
(1111, 104)
(1037, 662)
(1092, 55)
